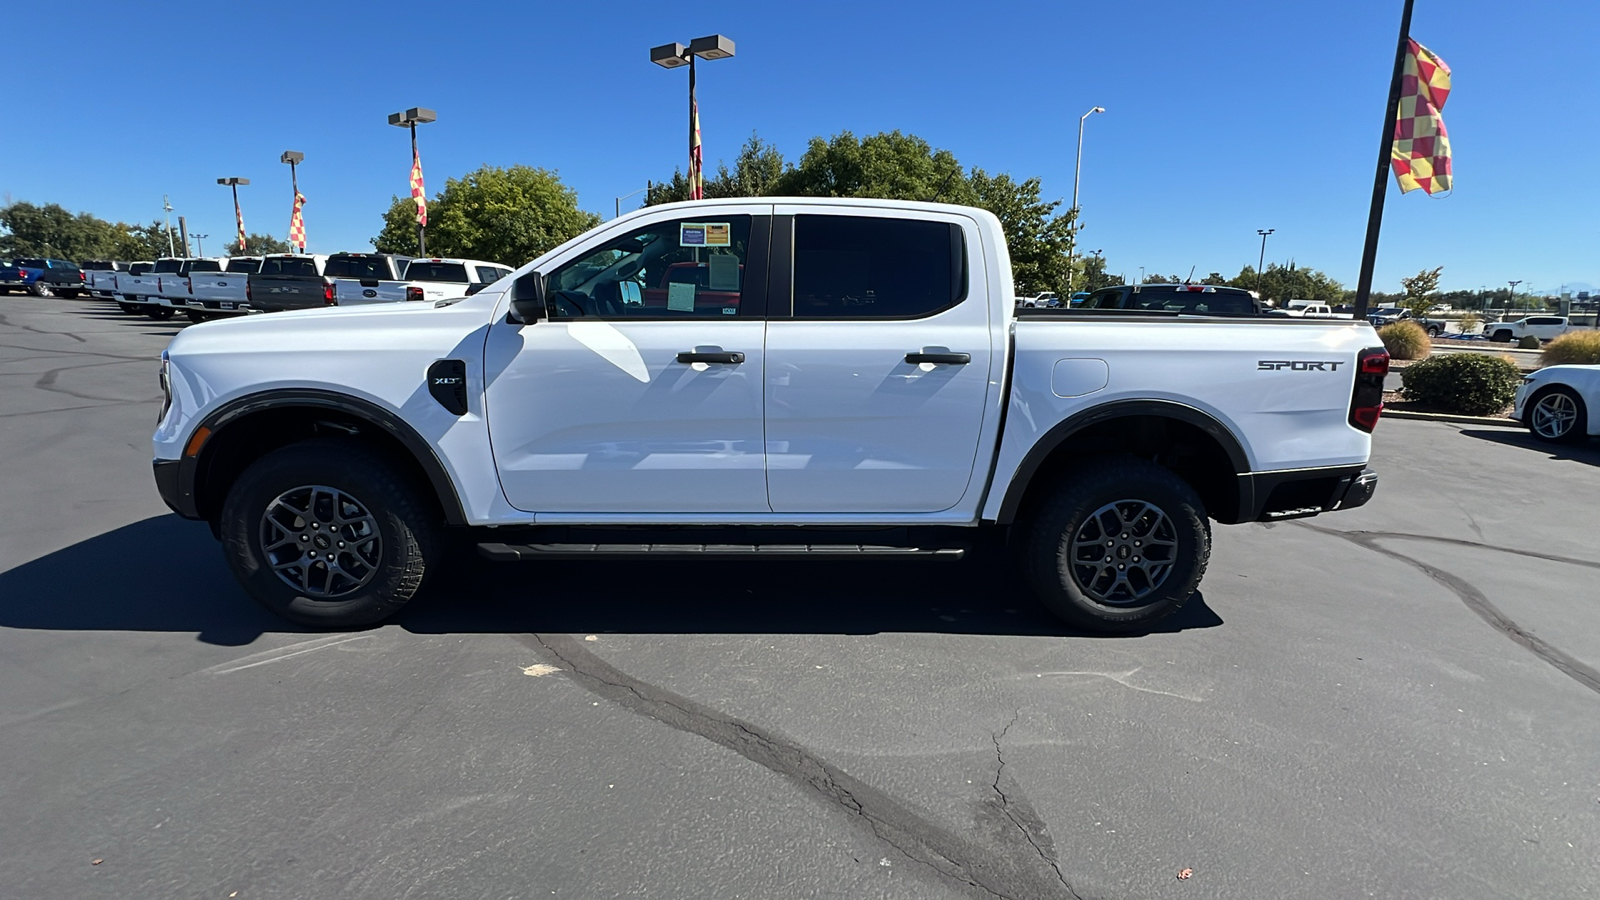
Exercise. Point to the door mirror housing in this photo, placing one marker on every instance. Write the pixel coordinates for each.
(527, 299)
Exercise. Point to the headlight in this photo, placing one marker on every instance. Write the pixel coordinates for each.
(166, 388)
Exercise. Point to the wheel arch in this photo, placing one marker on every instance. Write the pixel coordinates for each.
(247, 428)
(1196, 446)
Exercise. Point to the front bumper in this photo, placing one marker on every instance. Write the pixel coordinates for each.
(170, 483)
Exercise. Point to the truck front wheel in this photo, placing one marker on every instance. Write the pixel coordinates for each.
(1120, 544)
(327, 534)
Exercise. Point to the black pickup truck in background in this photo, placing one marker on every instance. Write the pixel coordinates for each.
(291, 281)
(1183, 299)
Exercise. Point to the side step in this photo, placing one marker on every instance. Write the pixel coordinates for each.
(523, 552)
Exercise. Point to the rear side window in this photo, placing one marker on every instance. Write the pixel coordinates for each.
(206, 265)
(1544, 320)
(286, 265)
(422, 270)
(368, 267)
(490, 274)
(244, 266)
(860, 267)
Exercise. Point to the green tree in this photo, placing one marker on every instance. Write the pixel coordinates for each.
(1038, 239)
(53, 231)
(755, 173)
(257, 245)
(891, 165)
(505, 215)
(1292, 282)
(1094, 275)
(149, 242)
(1420, 289)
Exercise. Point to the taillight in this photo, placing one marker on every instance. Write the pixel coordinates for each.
(158, 285)
(83, 278)
(189, 283)
(1366, 400)
(247, 295)
(413, 293)
(327, 296)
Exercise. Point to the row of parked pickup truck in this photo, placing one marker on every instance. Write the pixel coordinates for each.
(212, 288)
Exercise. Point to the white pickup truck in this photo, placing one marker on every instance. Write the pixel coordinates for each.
(122, 284)
(759, 379)
(363, 278)
(174, 293)
(141, 291)
(100, 277)
(222, 292)
(424, 279)
(1545, 328)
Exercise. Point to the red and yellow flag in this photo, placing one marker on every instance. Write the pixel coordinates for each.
(1421, 155)
(238, 215)
(297, 223)
(697, 189)
(417, 192)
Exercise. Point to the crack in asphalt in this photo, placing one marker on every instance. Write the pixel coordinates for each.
(47, 382)
(947, 854)
(1475, 599)
(1458, 542)
(1026, 809)
(10, 324)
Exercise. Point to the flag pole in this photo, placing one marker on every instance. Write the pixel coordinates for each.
(1380, 184)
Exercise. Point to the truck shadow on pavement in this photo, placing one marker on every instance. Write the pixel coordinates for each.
(1587, 452)
(167, 574)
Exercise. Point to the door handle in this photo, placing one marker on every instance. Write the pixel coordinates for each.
(953, 359)
(729, 357)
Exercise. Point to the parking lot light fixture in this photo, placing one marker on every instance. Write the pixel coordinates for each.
(674, 55)
(199, 244)
(1263, 260)
(1077, 174)
(1512, 296)
(238, 214)
(411, 118)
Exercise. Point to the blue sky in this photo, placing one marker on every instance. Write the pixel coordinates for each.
(1222, 118)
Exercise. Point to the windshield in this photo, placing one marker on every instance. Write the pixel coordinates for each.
(423, 270)
(288, 265)
(363, 265)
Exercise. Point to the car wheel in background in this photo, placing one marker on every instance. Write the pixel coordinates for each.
(329, 534)
(1557, 415)
(1500, 337)
(1121, 543)
(128, 308)
(195, 315)
(40, 289)
(160, 313)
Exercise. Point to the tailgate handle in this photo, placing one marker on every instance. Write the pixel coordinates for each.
(953, 359)
(729, 357)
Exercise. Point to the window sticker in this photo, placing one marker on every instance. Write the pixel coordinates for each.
(724, 272)
(705, 234)
(680, 296)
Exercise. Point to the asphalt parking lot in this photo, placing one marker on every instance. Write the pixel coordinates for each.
(1399, 701)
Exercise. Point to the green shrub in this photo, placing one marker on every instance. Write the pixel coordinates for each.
(1405, 340)
(1467, 383)
(1469, 323)
(1576, 348)
(1528, 342)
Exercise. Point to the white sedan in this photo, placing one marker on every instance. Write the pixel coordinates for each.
(1554, 402)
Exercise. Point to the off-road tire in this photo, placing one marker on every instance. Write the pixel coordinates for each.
(1066, 513)
(71, 295)
(407, 527)
(195, 316)
(160, 313)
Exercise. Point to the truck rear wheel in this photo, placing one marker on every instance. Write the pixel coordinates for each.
(1120, 544)
(40, 289)
(160, 313)
(328, 534)
(195, 316)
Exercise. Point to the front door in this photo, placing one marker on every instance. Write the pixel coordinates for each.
(878, 362)
(642, 391)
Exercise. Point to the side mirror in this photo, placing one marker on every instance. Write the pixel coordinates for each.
(527, 299)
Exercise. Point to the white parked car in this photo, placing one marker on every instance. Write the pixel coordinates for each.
(1545, 328)
(1555, 403)
(756, 379)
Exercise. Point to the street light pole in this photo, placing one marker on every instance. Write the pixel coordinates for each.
(293, 158)
(166, 204)
(1077, 174)
(238, 214)
(1260, 263)
(410, 119)
(1512, 296)
(644, 190)
(674, 55)
(199, 244)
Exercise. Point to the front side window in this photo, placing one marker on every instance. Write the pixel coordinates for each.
(683, 268)
(860, 267)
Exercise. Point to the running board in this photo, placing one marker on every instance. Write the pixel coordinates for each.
(524, 552)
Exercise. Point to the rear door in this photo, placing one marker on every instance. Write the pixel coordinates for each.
(619, 404)
(878, 360)
(1546, 328)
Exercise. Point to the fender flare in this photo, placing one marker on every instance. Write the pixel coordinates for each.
(186, 501)
(1166, 409)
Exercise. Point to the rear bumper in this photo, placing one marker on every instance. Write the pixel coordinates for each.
(1300, 493)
